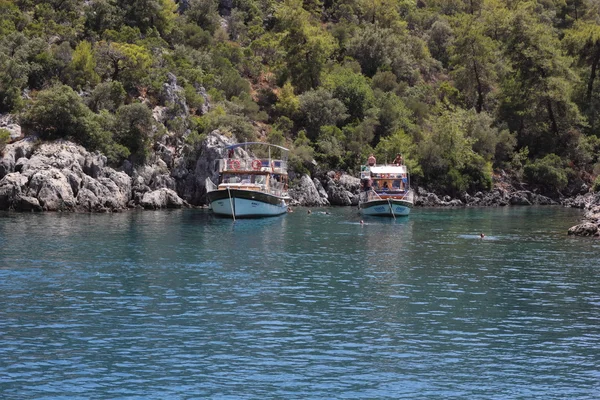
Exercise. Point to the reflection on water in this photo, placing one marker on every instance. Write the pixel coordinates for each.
(180, 304)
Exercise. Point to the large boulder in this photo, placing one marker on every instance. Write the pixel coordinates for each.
(14, 152)
(338, 196)
(27, 203)
(584, 229)
(52, 189)
(12, 187)
(520, 199)
(340, 189)
(162, 198)
(305, 193)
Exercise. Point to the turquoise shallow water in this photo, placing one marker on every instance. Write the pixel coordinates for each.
(183, 305)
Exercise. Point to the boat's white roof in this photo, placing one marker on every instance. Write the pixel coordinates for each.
(246, 144)
(388, 169)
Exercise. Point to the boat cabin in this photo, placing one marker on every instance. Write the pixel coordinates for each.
(385, 181)
(241, 170)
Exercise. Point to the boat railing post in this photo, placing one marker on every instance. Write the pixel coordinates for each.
(376, 194)
(391, 208)
(231, 204)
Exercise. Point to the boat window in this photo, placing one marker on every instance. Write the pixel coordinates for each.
(259, 179)
(396, 184)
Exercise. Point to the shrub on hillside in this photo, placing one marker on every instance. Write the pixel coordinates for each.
(59, 112)
(548, 171)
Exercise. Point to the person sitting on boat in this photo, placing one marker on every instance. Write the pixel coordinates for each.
(371, 160)
(386, 186)
(398, 160)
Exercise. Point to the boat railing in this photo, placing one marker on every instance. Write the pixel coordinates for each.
(373, 195)
(210, 186)
(252, 164)
(276, 189)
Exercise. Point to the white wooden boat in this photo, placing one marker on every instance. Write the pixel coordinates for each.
(385, 191)
(250, 186)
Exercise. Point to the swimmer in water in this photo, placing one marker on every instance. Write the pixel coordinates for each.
(482, 235)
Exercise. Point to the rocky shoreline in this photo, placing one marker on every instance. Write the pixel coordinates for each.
(63, 176)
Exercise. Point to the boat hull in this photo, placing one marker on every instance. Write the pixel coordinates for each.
(245, 203)
(386, 208)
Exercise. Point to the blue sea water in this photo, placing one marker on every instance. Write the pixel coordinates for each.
(184, 305)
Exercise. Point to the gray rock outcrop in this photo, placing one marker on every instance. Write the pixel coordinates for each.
(590, 225)
(191, 169)
(584, 229)
(59, 176)
(173, 96)
(342, 189)
(305, 193)
(8, 122)
(161, 198)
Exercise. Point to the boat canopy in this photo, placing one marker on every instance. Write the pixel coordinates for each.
(246, 144)
(389, 169)
(282, 151)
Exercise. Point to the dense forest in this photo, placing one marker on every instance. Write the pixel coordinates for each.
(462, 88)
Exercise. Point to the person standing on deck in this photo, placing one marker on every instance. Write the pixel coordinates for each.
(398, 160)
(371, 160)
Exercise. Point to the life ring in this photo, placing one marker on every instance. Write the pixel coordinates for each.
(234, 164)
(256, 165)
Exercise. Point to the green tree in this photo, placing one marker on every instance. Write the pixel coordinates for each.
(205, 13)
(548, 172)
(374, 47)
(12, 17)
(58, 112)
(400, 142)
(352, 89)
(441, 37)
(14, 70)
(134, 127)
(82, 67)
(392, 115)
(474, 58)
(536, 98)
(149, 14)
(330, 147)
(288, 104)
(318, 108)
(447, 157)
(107, 96)
(301, 154)
(583, 42)
(124, 62)
(384, 13)
(307, 45)
(100, 16)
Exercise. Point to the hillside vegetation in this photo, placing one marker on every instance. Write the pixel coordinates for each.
(460, 87)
